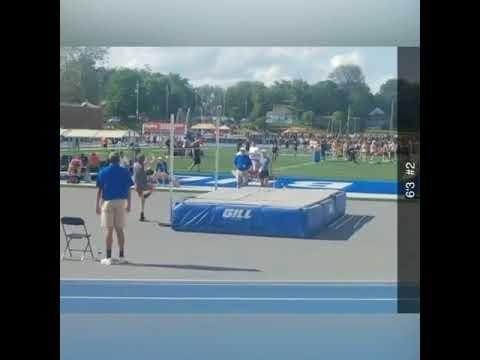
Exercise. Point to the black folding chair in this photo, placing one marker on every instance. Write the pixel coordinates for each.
(69, 225)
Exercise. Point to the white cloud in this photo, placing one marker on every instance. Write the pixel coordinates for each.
(319, 72)
(353, 58)
(269, 75)
(376, 84)
(224, 66)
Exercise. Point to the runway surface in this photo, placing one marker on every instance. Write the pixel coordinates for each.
(360, 247)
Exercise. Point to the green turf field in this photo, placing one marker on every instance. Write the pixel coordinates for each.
(285, 165)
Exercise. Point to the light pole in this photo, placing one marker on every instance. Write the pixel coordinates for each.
(167, 94)
(348, 121)
(137, 90)
(391, 114)
(224, 111)
(217, 144)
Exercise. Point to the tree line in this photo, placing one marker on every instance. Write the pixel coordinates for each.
(84, 75)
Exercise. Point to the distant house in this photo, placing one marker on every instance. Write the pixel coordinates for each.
(376, 118)
(81, 116)
(281, 115)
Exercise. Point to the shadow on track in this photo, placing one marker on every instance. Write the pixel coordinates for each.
(340, 230)
(343, 228)
(190, 267)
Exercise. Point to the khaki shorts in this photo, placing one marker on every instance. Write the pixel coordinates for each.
(114, 214)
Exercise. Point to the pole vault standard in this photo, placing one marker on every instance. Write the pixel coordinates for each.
(187, 118)
(172, 145)
(217, 144)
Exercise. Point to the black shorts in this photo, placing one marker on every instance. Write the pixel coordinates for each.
(263, 174)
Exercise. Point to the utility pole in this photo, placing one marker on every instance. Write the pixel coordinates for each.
(167, 94)
(187, 118)
(224, 97)
(137, 91)
(391, 115)
(348, 121)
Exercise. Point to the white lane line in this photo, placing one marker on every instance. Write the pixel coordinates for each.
(372, 196)
(292, 166)
(215, 282)
(220, 298)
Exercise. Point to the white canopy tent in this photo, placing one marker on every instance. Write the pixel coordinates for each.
(97, 134)
(203, 126)
(80, 133)
(116, 134)
(74, 135)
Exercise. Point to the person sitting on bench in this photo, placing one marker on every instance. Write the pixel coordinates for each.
(75, 170)
(161, 171)
(94, 162)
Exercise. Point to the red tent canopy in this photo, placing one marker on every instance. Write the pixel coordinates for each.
(159, 127)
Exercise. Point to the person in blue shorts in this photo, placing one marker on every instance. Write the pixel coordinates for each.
(264, 173)
(317, 153)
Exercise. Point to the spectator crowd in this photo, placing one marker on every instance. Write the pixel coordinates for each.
(250, 160)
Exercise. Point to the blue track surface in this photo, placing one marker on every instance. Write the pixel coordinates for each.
(228, 181)
(358, 186)
(239, 337)
(134, 297)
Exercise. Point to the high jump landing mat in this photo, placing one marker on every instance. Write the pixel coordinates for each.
(260, 211)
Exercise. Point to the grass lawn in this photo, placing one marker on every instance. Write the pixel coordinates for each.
(285, 165)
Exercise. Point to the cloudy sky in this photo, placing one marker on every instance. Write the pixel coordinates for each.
(225, 66)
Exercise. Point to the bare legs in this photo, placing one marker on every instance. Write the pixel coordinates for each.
(109, 240)
(120, 239)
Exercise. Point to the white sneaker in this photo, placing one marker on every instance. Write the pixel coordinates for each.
(122, 260)
(106, 261)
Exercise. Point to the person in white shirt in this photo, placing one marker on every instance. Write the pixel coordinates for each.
(393, 151)
(385, 152)
(124, 160)
(363, 151)
(345, 150)
(333, 149)
(186, 147)
(254, 154)
(373, 150)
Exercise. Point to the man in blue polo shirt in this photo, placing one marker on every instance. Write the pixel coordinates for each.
(113, 202)
(242, 165)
